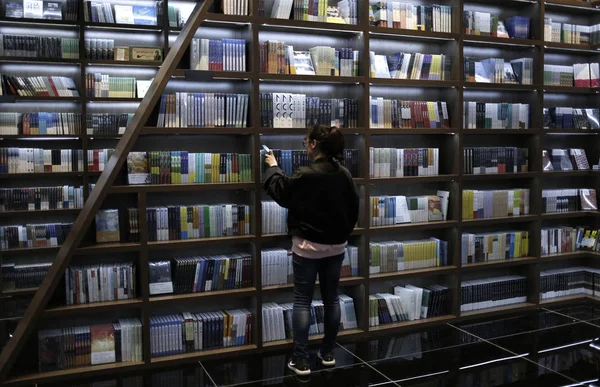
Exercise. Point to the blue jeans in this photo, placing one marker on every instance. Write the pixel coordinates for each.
(305, 275)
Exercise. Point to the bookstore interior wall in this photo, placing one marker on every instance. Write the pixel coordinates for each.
(471, 130)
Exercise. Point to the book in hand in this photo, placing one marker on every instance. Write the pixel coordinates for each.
(107, 226)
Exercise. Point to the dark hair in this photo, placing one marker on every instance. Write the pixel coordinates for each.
(330, 141)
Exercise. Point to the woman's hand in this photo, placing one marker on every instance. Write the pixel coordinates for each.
(270, 160)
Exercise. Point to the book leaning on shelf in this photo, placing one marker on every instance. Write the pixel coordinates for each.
(23, 276)
(218, 54)
(203, 110)
(33, 235)
(571, 118)
(400, 15)
(569, 281)
(39, 47)
(493, 246)
(490, 115)
(394, 256)
(99, 283)
(497, 70)
(494, 160)
(36, 160)
(36, 9)
(325, 11)
(492, 292)
(564, 160)
(40, 198)
(406, 65)
(408, 303)
(192, 332)
(277, 318)
(395, 113)
(63, 348)
(569, 199)
(53, 86)
(483, 204)
(566, 239)
(392, 162)
(290, 160)
(390, 210)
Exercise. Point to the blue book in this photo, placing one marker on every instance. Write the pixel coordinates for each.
(143, 15)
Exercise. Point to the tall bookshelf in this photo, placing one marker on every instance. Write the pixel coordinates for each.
(142, 134)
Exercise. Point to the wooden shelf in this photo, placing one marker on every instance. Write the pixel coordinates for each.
(271, 24)
(571, 214)
(498, 220)
(412, 179)
(123, 63)
(95, 307)
(58, 211)
(571, 131)
(569, 47)
(195, 356)
(429, 271)
(570, 89)
(281, 344)
(18, 98)
(48, 22)
(181, 187)
(112, 99)
(116, 26)
(203, 296)
(414, 323)
(344, 281)
(500, 310)
(46, 137)
(420, 35)
(25, 59)
(566, 173)
(302, 131)
(499, 86)
(500, 42)
(116, 247)
(500, 263)
(207, 76)
(417, 226)
(30, 250)
(564, 300)
(195, 131)
(412, 82)
(378, 131)
(501, 176)
(179, 244)
(38, 175)
(501, 131)
(19, 292)
(564, 256)
(309, 78)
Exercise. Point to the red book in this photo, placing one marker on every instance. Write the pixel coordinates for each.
(53, 86)
(96, 165)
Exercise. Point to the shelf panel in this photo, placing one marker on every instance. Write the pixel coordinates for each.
(280, 344)
(31, 250)
(59, 211)
(303, 131)
(207, 76)
(497, 41)
(159, 131)
(384, 131)
(49, 22)
(116, 247)
(417, 226)
(412, 179)
(430, 271)
(416, 34)
(564, 300)
(503, 219)
(271, 24)
(412, 82)
(19, 292)
(96, 307)
(181, 187)
(501, 131)
(18, 98)
(499, 86)
(116, 26)
(500, 262)
(179, 244)
(571, 214)
(501, 176)
(204, 296)
(123, 63)
(114, 99)
(571, 131)
(569, 47)
(570, 90)
(25, 59)
(414, 323)
(344, 281)
(195, 356)
(498, 310)
(565, 256)
(309, 78)
(566, 173)
(38, 175)
(33, 137)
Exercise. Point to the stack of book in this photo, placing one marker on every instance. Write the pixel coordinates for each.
(100, 282)
(23, 276)
(53, 86)
(218, 55)
(39, 47)
(106, 86)
(67, 10)
(394, 114)
(191, 332)
(40, 198)
(484, 23)
(569, 281)
(408, 303)
(123, 14)
(97, 159)
(578, 75)
(287, 110)
(400, 15)
(40, 124)
(203, 110)
(278, 58)
(107, 123)
(290, 160)
(571, 118)
(274, 218)
(566, 239)
(182, 167)
(494, 246)
(36, 160)
(392, 162)
(482, 204)
(325, 11)
(406, 65)
(394, 256)
(564, 160)
(567, 32)
(62, 348)
(492, 292)
(389, 210)
(33, 235)
(570, 199)
(490, 115)
(194, 221)
(277, 318)
(497, 70)
(492, 160)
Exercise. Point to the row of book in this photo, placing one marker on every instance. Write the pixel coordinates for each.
(338, 12)
(492, 292)
(569, 199)
(566, 239)
(37, 160)
(191, 332)
(390, 210)
(200, 274)
(492, 115)
(287, 110)
(393, 162)
(564, 159)
(406, 65)
(569, 33)
(570, 281)
(578, 75)
(67, 10)
(274, 218)
(493, 160)
(394, 256)
(408, 303)
(483, 204)
(41, 123)
(39, 47)
(86, 284)
(40, 198)
(276, 57)
(494, 246)
(178, 14)
(203, 110)
(33, 235)
(182, 167)
(400, 15)
(62, 348)
(487, 24)
(107, 123)
(42, 86)
(97, 12)
(218, 54)
(277, 318)
(396, 114)
(290, 160)
(99, 85)
(99, 49)
(98, 158)
(571, 118)
(23, 276)
(499, 70)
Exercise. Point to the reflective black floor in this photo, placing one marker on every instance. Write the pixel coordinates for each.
(546, 348)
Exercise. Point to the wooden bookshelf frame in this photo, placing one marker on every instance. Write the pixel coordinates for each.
(535, 178)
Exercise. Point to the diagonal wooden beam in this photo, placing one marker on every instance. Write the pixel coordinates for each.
(28, 324)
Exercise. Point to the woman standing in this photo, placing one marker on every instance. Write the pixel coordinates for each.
(322, 203)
